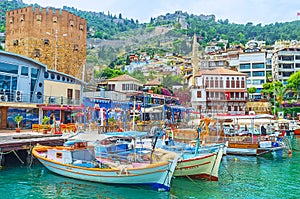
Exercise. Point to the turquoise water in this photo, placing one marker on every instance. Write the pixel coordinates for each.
(239, 177)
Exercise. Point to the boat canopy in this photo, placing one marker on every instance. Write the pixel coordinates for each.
(127, 134)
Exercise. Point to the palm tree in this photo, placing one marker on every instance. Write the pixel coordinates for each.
(279, 92)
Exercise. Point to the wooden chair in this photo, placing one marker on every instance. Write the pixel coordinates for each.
(35, 127)
(63, 128)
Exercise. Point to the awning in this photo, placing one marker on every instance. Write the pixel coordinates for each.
(70, 108)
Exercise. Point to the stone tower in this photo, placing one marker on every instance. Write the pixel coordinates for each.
(195, 59)
(56, 38)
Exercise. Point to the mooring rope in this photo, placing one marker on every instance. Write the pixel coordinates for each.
(227, 171)
(18, 156)
(5, 153)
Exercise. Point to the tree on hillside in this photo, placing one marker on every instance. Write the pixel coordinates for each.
(108, 73)
(294, 83)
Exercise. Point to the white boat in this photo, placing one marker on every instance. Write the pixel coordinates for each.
(79, 162)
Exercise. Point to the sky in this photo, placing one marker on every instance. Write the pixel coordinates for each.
(236, 11)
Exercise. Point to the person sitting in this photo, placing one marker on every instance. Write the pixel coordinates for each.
(263, 130)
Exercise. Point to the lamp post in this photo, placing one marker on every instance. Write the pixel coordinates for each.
(56, 47)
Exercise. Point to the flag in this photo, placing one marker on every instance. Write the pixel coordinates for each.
(298, 14)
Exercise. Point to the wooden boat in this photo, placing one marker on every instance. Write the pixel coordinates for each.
(198, 162)
(199, 166)
(252, 142)
(79, 162)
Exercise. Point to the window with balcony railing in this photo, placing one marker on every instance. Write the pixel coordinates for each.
(258, 66)
(244, 66)
(258, 73)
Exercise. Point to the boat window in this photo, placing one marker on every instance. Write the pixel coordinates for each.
(59, 155)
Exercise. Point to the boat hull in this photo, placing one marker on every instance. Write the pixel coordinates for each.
(249, 149)
(157, 176)
(200, 166)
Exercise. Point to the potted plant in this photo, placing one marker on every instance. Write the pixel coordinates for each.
(111, 121)
(18, 119)
(45, 121)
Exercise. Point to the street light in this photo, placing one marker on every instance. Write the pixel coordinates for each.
(56, 47)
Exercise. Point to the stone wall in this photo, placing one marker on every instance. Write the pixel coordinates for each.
(56, 38)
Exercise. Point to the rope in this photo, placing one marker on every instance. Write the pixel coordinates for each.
(18, 156)
(5, 153)
(227, 171)
(31, 157)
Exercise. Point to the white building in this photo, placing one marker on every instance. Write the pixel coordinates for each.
(219, 90)
(253, 64)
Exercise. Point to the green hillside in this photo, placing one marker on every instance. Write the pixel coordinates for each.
(111, 36)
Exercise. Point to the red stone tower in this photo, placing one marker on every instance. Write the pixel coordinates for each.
(56, 38)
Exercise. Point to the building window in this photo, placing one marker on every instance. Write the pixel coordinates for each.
(55, 19)
(46, 75)
(80, 27)
(206, 82)
(46, 41)
(258, 65)
(8, 68)
(235, 108)
(229, 108)
(123, 87)
(258, 74)
(232, 83)
(39, 17)
(244, 66)
(221, 82)
(15, 42)
(24, 70)
(211, 82)
(11, 20)
(242, 95)
(243, 83)
(200, 107)
(77, 94)
(22, 18)
(199, 94)
(71, 23)
(238, 82)
(216, 83)
(37, 53)
(227, 83)
(75, 47)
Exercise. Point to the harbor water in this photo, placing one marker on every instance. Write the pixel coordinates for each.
(239, 177)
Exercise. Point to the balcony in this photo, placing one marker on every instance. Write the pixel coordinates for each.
(55, 100)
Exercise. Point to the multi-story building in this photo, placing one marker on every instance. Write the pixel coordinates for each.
(285, 62)
(28, 88)
(219, 90)
(56, 38)
(253, 64)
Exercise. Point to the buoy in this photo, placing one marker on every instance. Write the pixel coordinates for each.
(290, 151)
(235, 159)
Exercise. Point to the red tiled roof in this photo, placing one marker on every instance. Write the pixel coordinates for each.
(154, 82)
(220, 71)
(124, 77)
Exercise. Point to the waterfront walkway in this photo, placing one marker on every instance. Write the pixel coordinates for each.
(11, 140)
